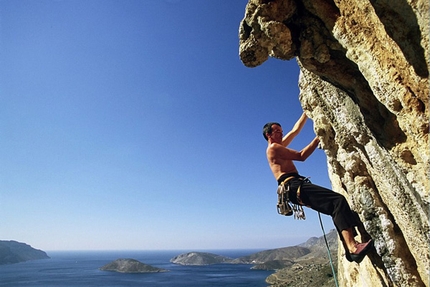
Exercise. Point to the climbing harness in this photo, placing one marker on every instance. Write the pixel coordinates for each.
(328, 251)
(285, 206)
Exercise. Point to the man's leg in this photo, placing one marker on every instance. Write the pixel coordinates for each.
(330, 203)
(334, 204)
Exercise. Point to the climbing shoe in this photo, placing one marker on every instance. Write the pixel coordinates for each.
(361, 251)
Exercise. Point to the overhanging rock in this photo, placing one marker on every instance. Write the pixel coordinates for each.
(364, 82)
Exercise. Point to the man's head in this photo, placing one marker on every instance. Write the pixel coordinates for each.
(269, 128)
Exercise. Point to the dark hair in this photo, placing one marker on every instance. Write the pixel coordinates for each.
(267, 129)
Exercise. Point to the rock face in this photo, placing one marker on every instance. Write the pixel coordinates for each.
(130, 266)
(15, 252)
(364, 82)
(199, 258)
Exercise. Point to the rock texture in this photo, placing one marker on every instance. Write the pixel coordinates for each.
(364, 82)
(123, 265)
(15, 252)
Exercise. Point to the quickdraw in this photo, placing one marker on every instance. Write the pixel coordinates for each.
(285, 206)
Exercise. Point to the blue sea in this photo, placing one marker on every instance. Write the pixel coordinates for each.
(81, 268)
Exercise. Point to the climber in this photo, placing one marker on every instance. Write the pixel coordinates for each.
(303, 193)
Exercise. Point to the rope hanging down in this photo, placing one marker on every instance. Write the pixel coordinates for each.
(328, 251)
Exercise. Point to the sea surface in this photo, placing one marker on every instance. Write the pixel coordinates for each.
(81, 268)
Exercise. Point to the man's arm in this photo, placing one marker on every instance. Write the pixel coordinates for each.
(285, 153)
(309, 149)
(286, 140)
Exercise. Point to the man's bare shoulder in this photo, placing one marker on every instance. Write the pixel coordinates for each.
(273, 148)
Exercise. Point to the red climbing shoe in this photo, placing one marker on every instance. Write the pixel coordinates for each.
(361, 251)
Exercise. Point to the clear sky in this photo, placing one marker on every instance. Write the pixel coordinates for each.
(133, 124)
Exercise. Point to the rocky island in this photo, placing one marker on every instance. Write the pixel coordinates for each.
(199, 258)
(130, 266)
(15, 252)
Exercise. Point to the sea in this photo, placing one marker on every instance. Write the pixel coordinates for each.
(81, 268)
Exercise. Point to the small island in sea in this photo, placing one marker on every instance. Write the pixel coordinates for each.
(15, 252)
(199, 258)
(123, 265)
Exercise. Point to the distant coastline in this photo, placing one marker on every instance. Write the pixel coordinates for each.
(12, 252)
(293, 263)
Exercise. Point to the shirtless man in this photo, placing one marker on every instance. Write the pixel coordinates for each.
(321, 199)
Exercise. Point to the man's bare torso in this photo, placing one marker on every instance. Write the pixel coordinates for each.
(278, 162)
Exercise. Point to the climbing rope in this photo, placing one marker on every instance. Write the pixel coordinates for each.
(328, 251)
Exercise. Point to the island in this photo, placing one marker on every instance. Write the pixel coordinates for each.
(15, 252)
(199, 258)
(127, 265)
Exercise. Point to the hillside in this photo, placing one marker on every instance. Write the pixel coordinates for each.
(314, 248)
(15, 252)
(312, 269)
(307, 263)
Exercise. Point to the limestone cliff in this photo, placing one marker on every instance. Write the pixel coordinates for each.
(364, 82)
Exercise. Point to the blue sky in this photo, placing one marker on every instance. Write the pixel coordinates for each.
(133, 124)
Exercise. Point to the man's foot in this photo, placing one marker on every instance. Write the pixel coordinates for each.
(348, 257)
(360, 252)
